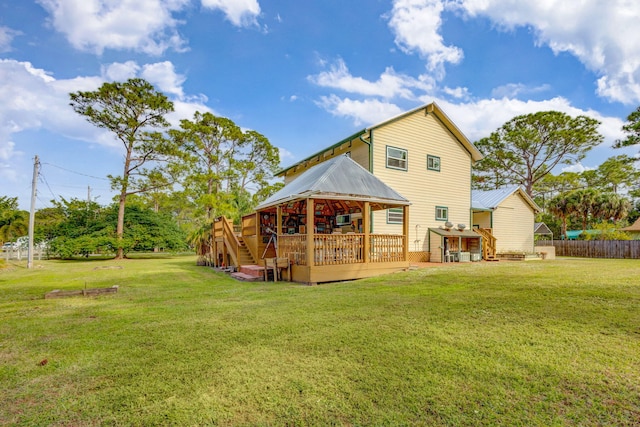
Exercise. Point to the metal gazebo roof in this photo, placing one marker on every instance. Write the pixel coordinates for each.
(340, 178)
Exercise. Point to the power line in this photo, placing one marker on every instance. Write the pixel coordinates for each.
(42, 178)
(77, 173)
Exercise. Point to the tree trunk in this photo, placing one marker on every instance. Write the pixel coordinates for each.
(120, 225)
(122, 202)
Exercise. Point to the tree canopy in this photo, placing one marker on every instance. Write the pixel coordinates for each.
(77, 227)
(230, 170)
(14, 223)
(632, 129)
(134, 111)
(526, 148)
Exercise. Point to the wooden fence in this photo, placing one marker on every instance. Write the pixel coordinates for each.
(595, 248)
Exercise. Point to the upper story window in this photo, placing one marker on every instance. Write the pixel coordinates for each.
(397, 158)
(433, 163)
(442, 213)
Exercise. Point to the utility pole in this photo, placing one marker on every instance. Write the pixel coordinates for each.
(32, 214)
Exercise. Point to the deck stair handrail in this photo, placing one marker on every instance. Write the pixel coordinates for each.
(488, 243)
(230, 239)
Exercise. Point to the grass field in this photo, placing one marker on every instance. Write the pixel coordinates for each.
(538, 343)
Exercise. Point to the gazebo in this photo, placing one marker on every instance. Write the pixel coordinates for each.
(321, 224)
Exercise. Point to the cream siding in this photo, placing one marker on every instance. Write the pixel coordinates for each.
(421, 135)
(513, 223)
(435, 248)
(359, 153)
(482, 219)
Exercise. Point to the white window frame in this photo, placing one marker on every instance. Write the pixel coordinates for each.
(401, 156)
(395, 216)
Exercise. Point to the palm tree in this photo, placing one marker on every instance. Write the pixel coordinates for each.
(561, 207)
(611, 207)
(582, 203)
(201, 239)
(13, 224)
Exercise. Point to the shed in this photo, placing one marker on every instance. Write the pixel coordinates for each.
(509, 213)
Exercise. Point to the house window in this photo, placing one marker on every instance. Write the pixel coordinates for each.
(433, 163)
(442, 213)
(395, 215)
(396, 158)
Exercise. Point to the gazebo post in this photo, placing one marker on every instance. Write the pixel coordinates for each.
(366, 217)
(405, 232)
(310, 232)
(214, 247)
(278, 229)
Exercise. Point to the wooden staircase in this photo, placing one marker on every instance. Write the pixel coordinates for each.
(488, 244)
(235, 252)
(244, 256)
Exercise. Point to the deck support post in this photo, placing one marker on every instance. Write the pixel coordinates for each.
(366, 228)
(405, 232)
(278, 228)
(310, 232)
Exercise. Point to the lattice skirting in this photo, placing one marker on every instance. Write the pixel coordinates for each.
(421, 256)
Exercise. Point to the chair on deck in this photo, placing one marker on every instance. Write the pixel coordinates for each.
(276, 265)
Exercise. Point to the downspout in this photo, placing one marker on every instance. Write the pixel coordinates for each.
(370, 144)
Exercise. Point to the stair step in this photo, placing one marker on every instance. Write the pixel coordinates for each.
(252, 270)
(246, 277)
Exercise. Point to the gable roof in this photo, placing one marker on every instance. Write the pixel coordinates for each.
(541, 228)
(491, 199)
(431, 108)
(340, 178)
(633, 227)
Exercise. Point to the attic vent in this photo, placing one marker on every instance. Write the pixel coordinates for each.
(448, 225)
(461, 227)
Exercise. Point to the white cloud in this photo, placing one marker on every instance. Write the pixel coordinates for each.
(120, 71)
(577, 167)
(241, 13)
(138, 25)
(416, 25)
(285, 154)
(35, 100)
(389, 85)
(604, 37)
(6, 37)
(368, 111)
(478, 119)
(513, 90)
(164, 76)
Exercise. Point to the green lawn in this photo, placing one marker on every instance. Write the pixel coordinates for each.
(514, 344)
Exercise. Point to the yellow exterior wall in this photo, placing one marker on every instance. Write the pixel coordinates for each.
(359, 153)
(513, 223)
(482, 219)
(423, 134)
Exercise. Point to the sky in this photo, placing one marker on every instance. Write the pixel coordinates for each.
(305, 74)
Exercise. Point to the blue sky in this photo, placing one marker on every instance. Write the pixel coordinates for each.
(304, 74)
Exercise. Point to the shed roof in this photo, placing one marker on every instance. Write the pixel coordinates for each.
(491, 199)
(340, 178)
(454, 232)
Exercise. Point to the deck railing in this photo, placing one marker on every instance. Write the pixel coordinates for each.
(294, 247)
(338, 249)
(386, 247)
